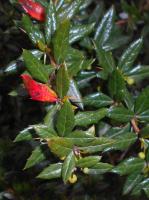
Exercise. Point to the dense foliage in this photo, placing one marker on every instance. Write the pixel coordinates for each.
(84, 101)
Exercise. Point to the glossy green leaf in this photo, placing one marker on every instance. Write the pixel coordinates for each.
(131, 181)
(97, 145)
(100, 168)
(142, 104)
(88, 161)
(116, 85)
(138, 73)
(36, 157)
(80, 138)
(106, 60)
(51, 172)
(129, 166)
(62, 81)
(68, 166)
(75, 95)
(24, 135)
(144, 185)
(120, 114)
(65, 120)
(97, 100)
(104, 29)
(51, 21)
(35, 67)
(44, 132)
(33, 31)
(60, 147)
(69, 11)
(61, 41)
(50, 116)
(89, 117)
(79, 31)
(130, 54)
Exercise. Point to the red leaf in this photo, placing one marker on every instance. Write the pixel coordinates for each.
(34, 9)
(39, 91)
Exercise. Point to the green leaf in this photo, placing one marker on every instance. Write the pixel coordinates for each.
(80, 138)
(100, 168)
(61, 41)
(138, 73)
(129, 166)
(51, 172)
(75, 94)
(44, 132)
(33, 31)
(123, 141)
(130, 54)
(144, 185)
(62, 81)
(116, 85)
(68, 166)
(69, 11)
(131, 181)
(60, 146)
(142, 104)
(65, 120)
(51, 21)
(79, 31)
(104, 29)
(89, 117)
(35, 67)
(120, 114)
(97, 145)
(50, 116)
(24, 135)
(88, 161)
(97, 100)
(36, 157)
(106, 60)
(13, 67)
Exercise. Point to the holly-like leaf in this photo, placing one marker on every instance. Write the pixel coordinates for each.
(60, 146)
(32, 30)
(62, 81)
(104, 29)
(88, 161)
(120, 114)
(79, 31)
(36, 157)
(69, 11)
(97, 100)
(65, 120)
(116, 85)
(51, 172)
(61, 41)
(131, 181)
(106, 60)
(89, 117)
(35, 67)
(130, 54)
(75, 95)
(100, 168)
(51, 21)
(129, 166)
(24, 135)
(68, 166)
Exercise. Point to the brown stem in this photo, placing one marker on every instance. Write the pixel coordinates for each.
(135, 126)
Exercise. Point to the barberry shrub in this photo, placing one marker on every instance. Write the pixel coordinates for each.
(86, 74)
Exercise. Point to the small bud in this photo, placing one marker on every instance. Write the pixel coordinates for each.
(130, 81)
(86, 170)
(141, 155)
(73, 179)
(63, 158)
